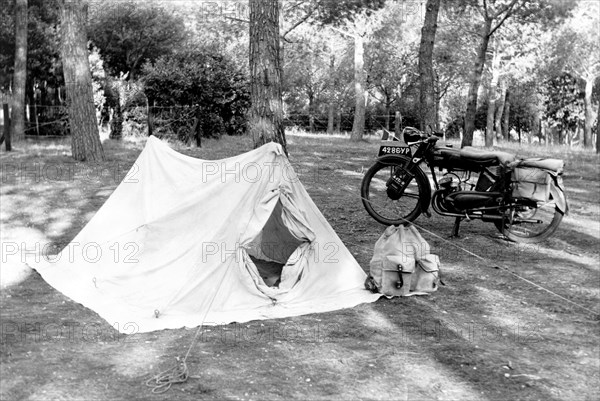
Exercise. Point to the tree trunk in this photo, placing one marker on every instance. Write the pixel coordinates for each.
(331, 108)
(561, 135)
(20, 72)
(492, 99)
(397, 124)
(589, 113)
(506, 118)
(386, 117)
(358, 126)
(85, 138)
(489, 127)
(35, 115)
(426, 78)
(6, 133)
(577, 136)
(311, 112)
(500, 108)
(475, 83)
(29, 93)
(551, 134)
(330, 117)
(438, 99)
(150, 120)
(266, 110)
(537, 124)
(116, 122)
(598, 131)
(197, 129)
(388, 110)
(543, 131)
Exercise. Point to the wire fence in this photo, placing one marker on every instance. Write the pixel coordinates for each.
(182, 121)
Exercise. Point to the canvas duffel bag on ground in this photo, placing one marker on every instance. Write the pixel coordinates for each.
(402, 264)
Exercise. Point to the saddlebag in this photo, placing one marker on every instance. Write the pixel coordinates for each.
(531, 183)
(536, 179)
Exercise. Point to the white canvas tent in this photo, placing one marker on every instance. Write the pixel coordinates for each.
(185, 242)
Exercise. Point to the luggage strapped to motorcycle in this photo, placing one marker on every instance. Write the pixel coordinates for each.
(537, 180)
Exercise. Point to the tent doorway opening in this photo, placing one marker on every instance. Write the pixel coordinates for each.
(274, 248)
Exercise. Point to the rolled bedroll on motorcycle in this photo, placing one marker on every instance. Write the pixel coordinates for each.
(524, 198)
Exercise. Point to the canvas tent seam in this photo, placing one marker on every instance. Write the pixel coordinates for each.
(276, 148)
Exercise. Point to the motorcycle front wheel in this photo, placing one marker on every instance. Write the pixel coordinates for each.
(529, 224)
(395, 206)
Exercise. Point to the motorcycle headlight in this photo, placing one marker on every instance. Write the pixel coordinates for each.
(411, 135)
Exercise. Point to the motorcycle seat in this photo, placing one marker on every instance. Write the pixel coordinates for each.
(555, 165)
(485, 157)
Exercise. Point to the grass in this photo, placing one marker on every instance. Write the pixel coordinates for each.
(485, 335)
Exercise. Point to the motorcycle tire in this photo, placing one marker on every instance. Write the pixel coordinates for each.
(531, 233)
(409, 204)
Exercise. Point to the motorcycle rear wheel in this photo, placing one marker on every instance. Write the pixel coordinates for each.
(549, 217)
(408, 206)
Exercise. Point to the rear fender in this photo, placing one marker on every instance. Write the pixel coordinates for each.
(558, 194)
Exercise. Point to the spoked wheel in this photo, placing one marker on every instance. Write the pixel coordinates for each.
(392, 194)
(531, 224)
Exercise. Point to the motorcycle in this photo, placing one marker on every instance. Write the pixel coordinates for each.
(524, 198)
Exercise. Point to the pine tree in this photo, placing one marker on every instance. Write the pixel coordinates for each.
(85, 138)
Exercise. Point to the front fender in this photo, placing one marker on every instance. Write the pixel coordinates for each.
(418, 173)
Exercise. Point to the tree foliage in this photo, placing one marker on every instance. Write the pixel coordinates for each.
(202, 79)
(43, 61)
(306, 71)
(337, 12)
(564, 102)
(539, 68)
(129, 33)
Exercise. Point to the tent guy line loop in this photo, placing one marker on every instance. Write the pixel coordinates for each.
(165, 379)
(495, 265)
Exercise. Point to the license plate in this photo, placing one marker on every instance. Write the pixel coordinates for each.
(394, 150)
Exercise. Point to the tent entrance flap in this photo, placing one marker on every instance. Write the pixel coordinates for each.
(274, 248)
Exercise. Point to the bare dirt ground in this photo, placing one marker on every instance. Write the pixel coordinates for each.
(486, 335)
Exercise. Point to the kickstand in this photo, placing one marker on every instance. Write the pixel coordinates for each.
(456, 227)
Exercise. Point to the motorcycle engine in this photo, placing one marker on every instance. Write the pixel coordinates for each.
(448, 184)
